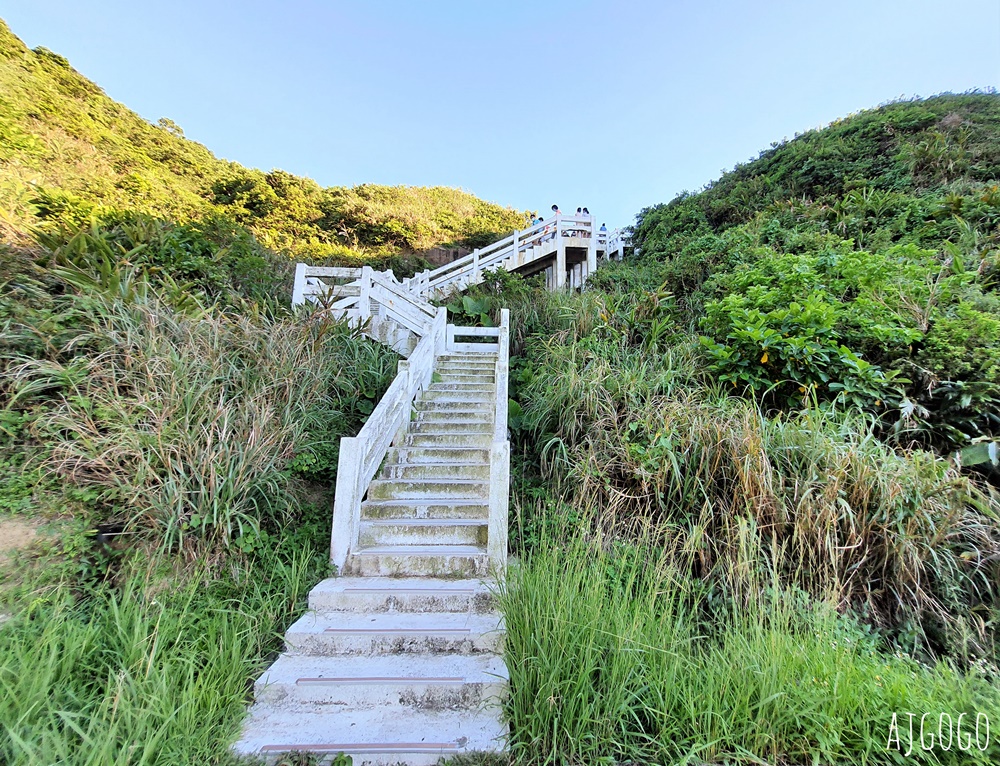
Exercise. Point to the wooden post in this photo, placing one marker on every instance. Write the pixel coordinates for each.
(560, 255)
(475, 267)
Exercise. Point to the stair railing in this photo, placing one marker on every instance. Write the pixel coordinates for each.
(361, 455)
(496, 537)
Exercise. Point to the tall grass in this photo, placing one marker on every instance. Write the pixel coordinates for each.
(194, 428)
(188, 425)
(154, 673)
(900, 537)
(612, 659)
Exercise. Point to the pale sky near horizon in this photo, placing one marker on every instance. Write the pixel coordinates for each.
(612, 105)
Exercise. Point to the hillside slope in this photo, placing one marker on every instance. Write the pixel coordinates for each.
(66, 149)
(859, 261)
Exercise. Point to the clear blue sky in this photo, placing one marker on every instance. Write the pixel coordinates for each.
(613, 105)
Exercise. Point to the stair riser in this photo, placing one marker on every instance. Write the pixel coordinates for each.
(475, 364)
(416, 510)
(405, 693)
(419, 428)
(442, 472)
(329, 644)
(474, 380)
(376, 535)
(472, 385)
(366, 757)
(417, 490)
(414, 455)
(477, 602)
(447, 417)
(452, 396)
(486, 406)
(416, 565)
(478, 440)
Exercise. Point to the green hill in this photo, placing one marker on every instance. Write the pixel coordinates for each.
(67, 151)
(859, 261)
(742, 533)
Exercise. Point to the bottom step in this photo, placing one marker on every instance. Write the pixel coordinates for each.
(371, 737)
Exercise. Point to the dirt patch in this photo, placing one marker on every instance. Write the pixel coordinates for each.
(14, 534)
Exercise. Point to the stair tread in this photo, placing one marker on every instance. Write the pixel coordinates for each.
(348, 584)
(424, 522)
(421, 550)
(386, 668)
(422, 501)
(431, 732)
(377, 622)
(424, 480)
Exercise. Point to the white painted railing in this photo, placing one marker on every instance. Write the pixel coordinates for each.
(341, 288)
(496, 536)
(368, 293)
(617, 241)
(466, 271)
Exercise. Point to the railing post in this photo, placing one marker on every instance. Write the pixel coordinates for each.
(347, 501)
(560, 255)
(591, 266)
(364, 301)
(475, 267)
(517, 260)
(440, 330)
(299, 287)
(496, 535)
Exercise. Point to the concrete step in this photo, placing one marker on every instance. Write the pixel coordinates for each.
(426, 508)
(426, 681)
(475, 379)
(475, 385)
(440, 471)
(416, 594)
(462, 561)
(382, 532)
(372, 738)
(453, 455)
(448, 416)
(486, 405)
(436, 439)
(351, 633)
(451, 396)
(418, 427)
(413, 489)
(457, 374)
(480, 360)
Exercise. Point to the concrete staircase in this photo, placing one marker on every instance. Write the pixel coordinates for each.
(397, 660)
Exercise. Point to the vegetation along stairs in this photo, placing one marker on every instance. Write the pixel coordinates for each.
(398, 658)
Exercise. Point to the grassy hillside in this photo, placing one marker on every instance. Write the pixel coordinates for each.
(742, 532)
(857, 263)
(68, 151)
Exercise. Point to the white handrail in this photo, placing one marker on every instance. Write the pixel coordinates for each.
(496, 535)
